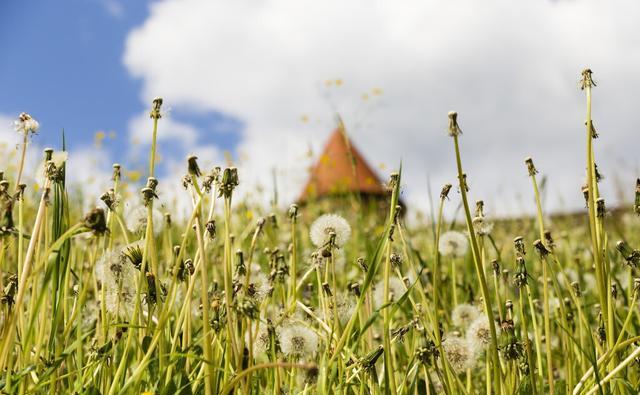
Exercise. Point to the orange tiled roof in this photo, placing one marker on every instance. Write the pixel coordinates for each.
(333, 173)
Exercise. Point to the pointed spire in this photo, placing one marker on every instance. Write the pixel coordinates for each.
(333, 173)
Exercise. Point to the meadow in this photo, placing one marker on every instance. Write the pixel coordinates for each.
(317, 298)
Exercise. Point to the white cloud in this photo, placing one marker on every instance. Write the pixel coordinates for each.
(510, 70)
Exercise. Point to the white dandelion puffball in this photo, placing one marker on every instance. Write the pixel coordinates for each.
(459, 353)
(298, 341)
(453, 244)
(343, 309)
(25, 124)
(482, 226)
(117, 276)
(136, 220)
(397, 288)
(464, 314)
(325, 225)
(259, 285)
(260, 341)
(479, 333)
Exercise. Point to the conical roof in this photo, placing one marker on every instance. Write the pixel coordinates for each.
(334, 174)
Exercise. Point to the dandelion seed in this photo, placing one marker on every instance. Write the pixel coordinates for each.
(454, 244)
(326, 225)
(460, 354)
(298, 341)
(464, 314)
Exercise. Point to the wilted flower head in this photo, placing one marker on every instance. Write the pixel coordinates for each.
(26, 124)
(453, 243)
(325, 226)
(136, 220)
(479, 333)
(464, 314)
(459, 353)
(298, 341)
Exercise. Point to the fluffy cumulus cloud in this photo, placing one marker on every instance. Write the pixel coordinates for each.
(510, 70)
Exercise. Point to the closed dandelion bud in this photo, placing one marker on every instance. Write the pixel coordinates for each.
(480, 208)
(241, 270)
(444, 194)
(454, 128)
(548, 239)
(96, 221)
(509, 306)
(116, 175)
(521, 277)
(530, 166)
(186, 181)
(631, 256)
(228, 182)
(464, 182)
(585, 193)
(594, 134)
(327, 289)
(167, 219)
(148, 195)
(152, 297)
(210, 227)
(369, 361)
(542, 250)
(48, 154)
(133, 253)
(362, 264)
(394, 178)
(598, 175)
(600, 208)
(614, 291)
(576, 288)
(496, 267)
(396, 260)
(636, 284)
(4, 186)
(110, 199)
(587, 79)
(293, 213)
(155, 108)
(192, 166)
(20, 192)
(211, 178)
(636, 205)
(355, 288)
(152, 183)
(10, 290)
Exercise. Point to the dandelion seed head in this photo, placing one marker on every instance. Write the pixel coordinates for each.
(464, 314)
(326, 224)
(479, 333)
(26, 124)
(396, 290)
(482, 226)
(298, 341)
(136, 220)
(454, 244)
(343, 309)
(460, 354)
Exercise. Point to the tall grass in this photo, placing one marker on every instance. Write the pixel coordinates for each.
(316, 298)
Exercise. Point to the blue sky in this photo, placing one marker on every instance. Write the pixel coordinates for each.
(264, 80)
(62, 63)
